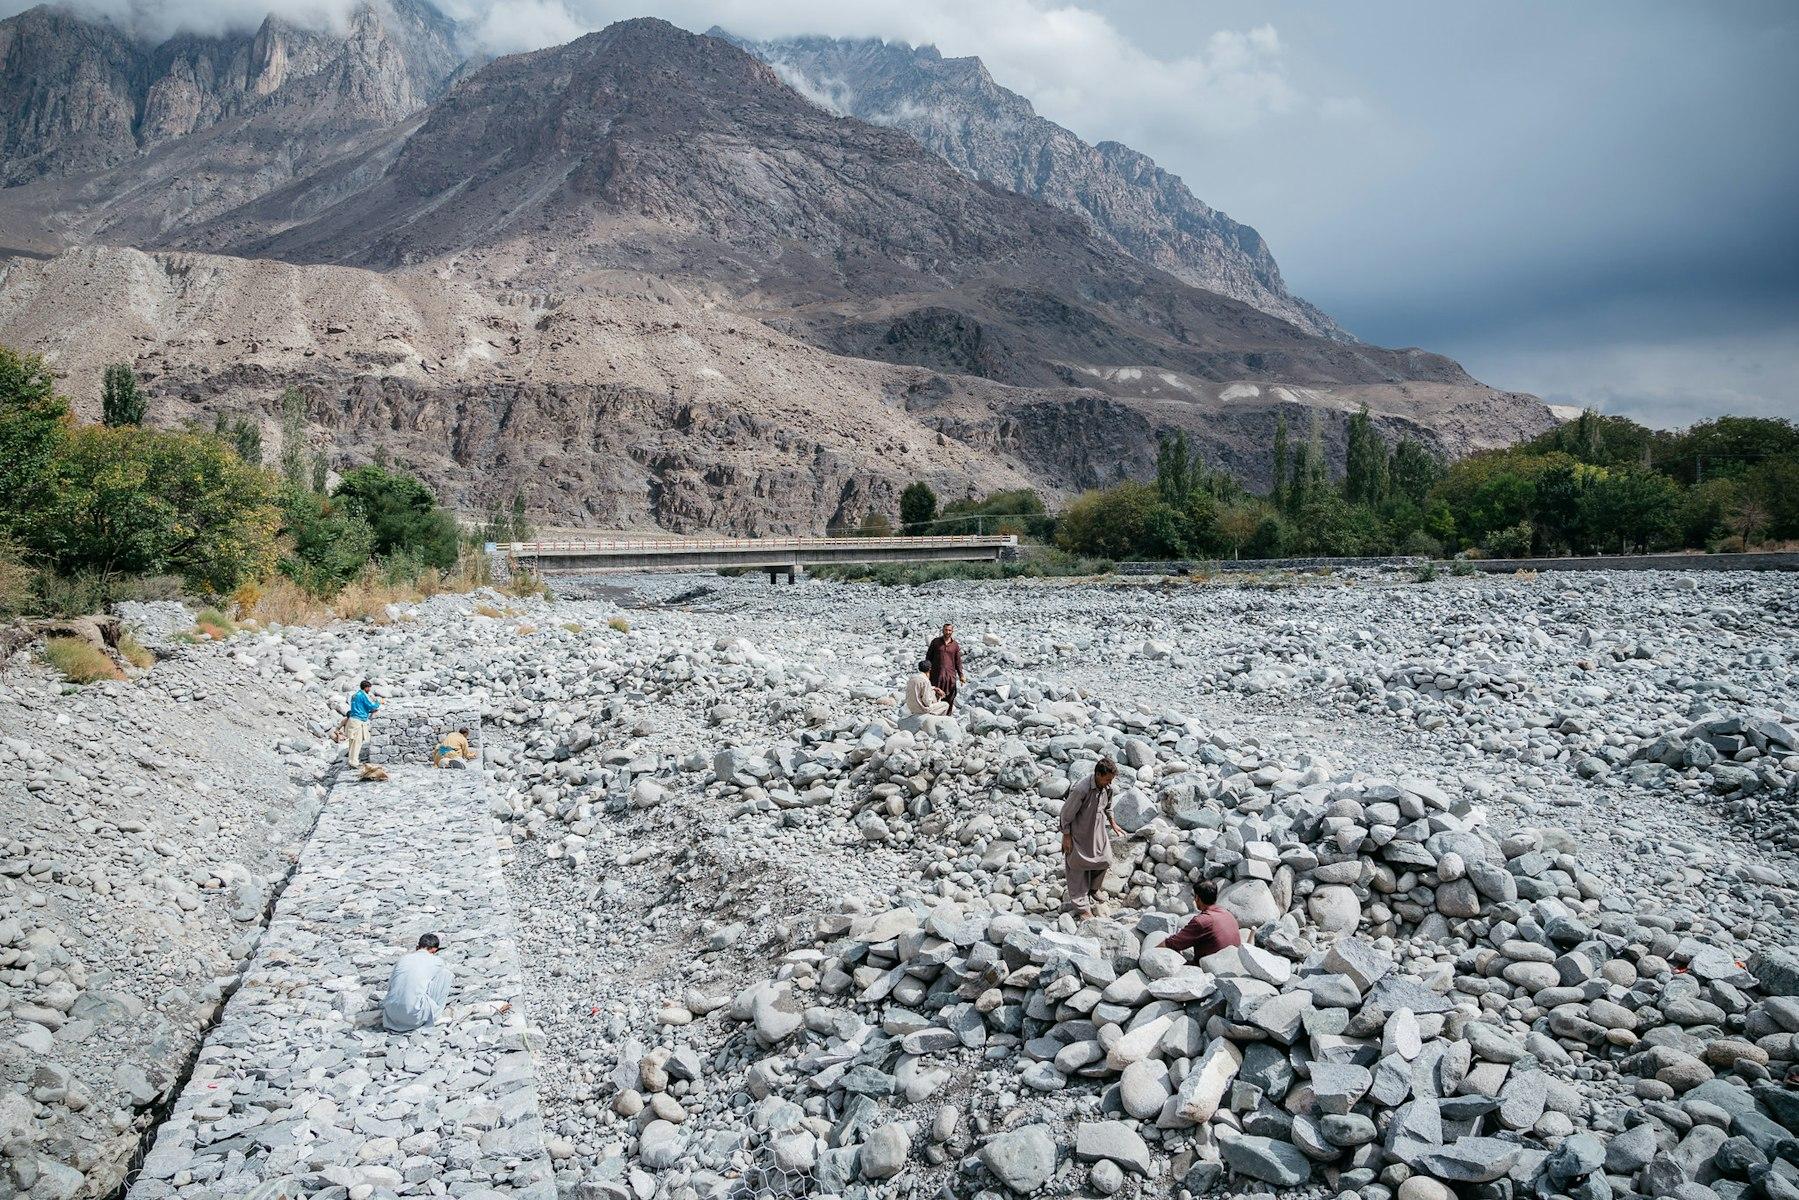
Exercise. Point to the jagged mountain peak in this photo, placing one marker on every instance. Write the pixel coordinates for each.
(955, 109)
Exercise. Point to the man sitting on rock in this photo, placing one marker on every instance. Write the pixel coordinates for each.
(1209, 932)
(923, 700)
(453, 750)
(417, 989)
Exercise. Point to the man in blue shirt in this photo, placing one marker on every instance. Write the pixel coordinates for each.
(363, 705)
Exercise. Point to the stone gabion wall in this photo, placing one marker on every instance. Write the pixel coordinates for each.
(407, 731)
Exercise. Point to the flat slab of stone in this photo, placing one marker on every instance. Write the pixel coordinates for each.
(299, 1086)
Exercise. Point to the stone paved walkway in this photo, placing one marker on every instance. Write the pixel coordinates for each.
(299, 1092)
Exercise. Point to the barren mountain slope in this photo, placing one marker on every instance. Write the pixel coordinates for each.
(629, 400)
(953, 107)
(640, 279)
(647, 148)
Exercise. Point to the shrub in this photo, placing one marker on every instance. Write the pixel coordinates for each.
(121, 403)
(1511, 542)
(619, 625)
(133, 652)
(1110, 523)
(918, 506)
(1462, 567)
(79, 661)
(328, 542)
(572, 626)
(1424, 572)
(1420, 544)
(135, 501)
(403, 514)
(18, 582)
(33, 423)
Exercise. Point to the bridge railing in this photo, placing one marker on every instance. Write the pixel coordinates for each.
(678, 546)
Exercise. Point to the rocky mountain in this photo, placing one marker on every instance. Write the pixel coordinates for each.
(642, 279)
(110, 138)
(953, 108)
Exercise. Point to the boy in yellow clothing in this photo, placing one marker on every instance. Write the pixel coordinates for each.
(452, 748)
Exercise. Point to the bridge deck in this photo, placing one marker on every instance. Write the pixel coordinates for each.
(786, 554)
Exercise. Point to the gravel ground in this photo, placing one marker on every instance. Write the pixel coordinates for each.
(1515, 836)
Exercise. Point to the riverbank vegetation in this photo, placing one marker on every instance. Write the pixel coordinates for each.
(95, 513)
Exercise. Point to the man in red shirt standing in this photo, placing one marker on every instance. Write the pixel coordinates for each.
(944, 655)
(1209, 932)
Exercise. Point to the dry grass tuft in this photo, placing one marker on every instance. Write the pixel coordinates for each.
(134, 651)
(79, 661)
(281, 601)
(485, 609)
(572, 626)
(619, 624)
(524, 629)
(213, 624)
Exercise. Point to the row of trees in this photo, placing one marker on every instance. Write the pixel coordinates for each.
(1599, 484)
(1595, 485)
(117, 499)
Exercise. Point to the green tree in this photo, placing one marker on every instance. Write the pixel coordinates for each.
(1017, 509)
(1201, 519)
(1703, 513)
(521, 524)
(134, 501)
(1271, 538)
(1177, 471)
(403, 514)
(326, 543)
(1413, 471)
(321, 472)
(1776, 481)
(918, 507)
(293, 437)
(34, 420)
(121, 403)
(1237, 525)
(1630, 509)
(1109, 523)
(1365, 475)
(246, 439)
(1279, 492)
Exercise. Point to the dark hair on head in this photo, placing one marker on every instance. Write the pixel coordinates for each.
(924, 666)
(363, 686)
(428, 941)
(1105, 766)
(1206, 892)
(463, 731)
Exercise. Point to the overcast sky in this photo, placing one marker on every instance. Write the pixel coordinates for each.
(1593, 200)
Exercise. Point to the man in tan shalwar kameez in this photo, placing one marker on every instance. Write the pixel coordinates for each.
(1087, 828)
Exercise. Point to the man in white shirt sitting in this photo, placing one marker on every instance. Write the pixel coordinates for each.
(923, 700)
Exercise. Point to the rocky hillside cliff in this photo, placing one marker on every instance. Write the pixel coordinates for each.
(953, 108)
(643, 280)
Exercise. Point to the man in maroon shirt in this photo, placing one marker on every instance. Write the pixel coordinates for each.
(944, 655)
(1209, 932)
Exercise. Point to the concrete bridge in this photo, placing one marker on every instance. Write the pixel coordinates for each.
(778, 556)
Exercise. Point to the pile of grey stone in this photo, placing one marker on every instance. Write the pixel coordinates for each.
(1424, 1006)
(1749, 759)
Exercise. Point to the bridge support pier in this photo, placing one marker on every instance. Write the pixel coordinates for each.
(775, 573)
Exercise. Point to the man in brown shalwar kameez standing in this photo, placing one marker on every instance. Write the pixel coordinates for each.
(945, 659)
(1087, 828)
